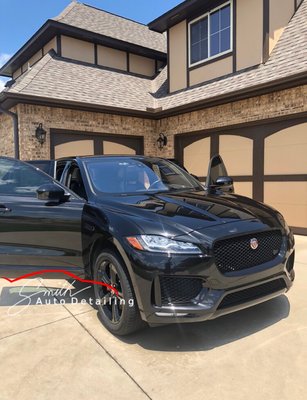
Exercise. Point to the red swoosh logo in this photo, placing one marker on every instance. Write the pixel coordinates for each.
(62, 271)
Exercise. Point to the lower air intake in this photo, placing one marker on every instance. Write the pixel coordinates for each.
(179, 290)
(253, 293)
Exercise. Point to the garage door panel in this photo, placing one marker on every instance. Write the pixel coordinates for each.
(244, 188)
(290, 198)
(280, 148)
(237, 154)
(196, 157)
(69, 143)
(286, 150)
(117, 148)
(75, 148)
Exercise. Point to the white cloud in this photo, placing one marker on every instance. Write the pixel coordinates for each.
(2, 83)
(4, 57)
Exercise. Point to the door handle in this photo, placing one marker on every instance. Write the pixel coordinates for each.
(4, 209)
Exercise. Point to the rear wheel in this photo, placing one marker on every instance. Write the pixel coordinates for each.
(119, 313)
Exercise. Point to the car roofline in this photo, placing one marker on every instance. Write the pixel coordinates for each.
(103, 156)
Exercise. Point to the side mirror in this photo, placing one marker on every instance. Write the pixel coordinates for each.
(223, 183)
(52, 193)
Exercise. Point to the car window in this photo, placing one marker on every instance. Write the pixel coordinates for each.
(128, 175)
(17, 178)
(59, 170)
(75, 181)
(43, 165)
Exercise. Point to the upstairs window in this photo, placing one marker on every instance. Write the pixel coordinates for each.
(211, 34)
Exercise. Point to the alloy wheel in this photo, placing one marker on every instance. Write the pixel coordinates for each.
(111, 303)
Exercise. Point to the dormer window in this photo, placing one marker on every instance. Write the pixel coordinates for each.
(210, 35)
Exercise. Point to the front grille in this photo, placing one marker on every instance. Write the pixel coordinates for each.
(236, 254)
(256, 292)
(179, 290)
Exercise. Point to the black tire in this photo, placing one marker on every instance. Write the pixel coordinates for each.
(118, 317)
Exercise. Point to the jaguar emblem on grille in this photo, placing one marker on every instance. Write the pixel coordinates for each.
(254, 244)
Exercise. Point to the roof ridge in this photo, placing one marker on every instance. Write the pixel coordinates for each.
(66, 10)
(93, 19)
(114, 14)
(158, 80)
(297, 13)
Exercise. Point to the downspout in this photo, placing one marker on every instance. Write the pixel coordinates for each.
(16, 130)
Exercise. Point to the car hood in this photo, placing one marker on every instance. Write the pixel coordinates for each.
(193, 211)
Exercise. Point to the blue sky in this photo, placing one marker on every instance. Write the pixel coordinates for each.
(19, 19)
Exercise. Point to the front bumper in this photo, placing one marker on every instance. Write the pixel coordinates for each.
(211, 304)
(220, 294)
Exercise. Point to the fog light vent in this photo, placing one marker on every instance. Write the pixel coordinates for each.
(290, 262)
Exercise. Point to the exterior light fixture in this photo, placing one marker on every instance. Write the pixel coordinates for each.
(162, 141)
(40, 134)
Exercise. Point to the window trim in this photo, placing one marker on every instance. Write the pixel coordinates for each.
(230, 2)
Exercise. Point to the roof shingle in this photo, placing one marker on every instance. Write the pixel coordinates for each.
(94, 20)
(56, 78)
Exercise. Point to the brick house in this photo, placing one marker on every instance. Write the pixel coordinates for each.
(225, 76)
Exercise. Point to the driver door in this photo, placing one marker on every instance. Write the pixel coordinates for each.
(34, 233)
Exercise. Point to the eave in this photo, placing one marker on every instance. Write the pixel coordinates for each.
(179, 13)
(8, 100)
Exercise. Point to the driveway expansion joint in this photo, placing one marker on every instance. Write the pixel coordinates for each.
(34, 327)
(105, 350)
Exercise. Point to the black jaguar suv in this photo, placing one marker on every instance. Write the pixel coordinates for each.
(167, 249)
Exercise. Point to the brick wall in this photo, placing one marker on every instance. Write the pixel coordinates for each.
(57, 118)
(282, 103)
(277, 104)
(6, 135)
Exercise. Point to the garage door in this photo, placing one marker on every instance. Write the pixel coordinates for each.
(68, 143)
(267, 162)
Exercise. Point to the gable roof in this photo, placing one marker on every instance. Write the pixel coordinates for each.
(60, 80)
(104, 23)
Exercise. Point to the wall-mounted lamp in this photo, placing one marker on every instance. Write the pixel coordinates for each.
(40, 134)
(162, 141)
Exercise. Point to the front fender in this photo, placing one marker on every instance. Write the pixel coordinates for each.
(98, 231)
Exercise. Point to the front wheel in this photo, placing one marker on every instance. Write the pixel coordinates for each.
(119, 312)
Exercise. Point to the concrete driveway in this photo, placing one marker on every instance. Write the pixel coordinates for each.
(54, 351)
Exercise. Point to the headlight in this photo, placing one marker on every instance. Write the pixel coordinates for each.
(161, 244)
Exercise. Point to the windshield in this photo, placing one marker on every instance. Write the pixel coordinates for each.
(122, 175)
